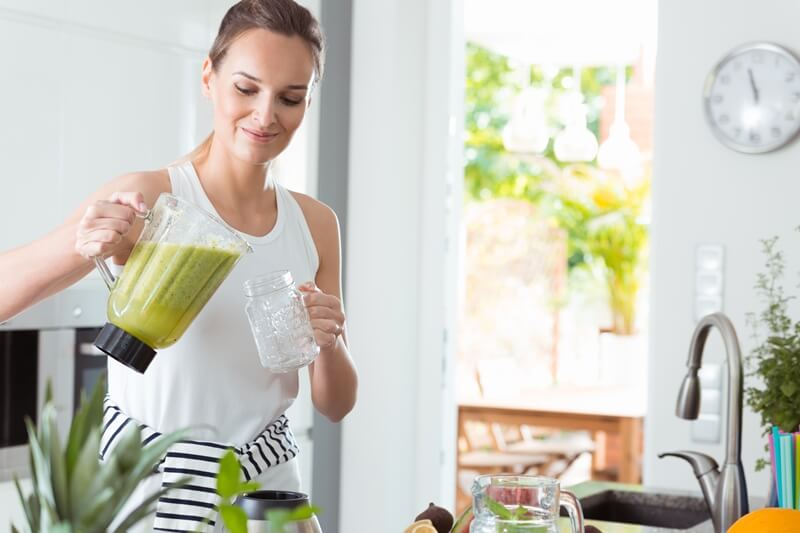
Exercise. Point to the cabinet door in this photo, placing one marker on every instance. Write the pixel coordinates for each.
(30, 126)
(127, 107)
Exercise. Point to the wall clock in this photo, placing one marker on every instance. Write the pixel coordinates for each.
(752, 98)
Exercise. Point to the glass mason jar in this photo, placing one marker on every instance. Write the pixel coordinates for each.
(280, 322)
(521, 504)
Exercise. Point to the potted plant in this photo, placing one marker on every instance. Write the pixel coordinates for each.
(774, 363)
(616, 237)
(72, 491)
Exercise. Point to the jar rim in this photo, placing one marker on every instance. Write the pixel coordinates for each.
(270, 282)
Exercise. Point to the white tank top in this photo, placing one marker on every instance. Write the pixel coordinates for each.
(212, 376)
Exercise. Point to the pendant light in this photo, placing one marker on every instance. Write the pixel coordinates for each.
(619, 152)
(575, 142)
(526, 131)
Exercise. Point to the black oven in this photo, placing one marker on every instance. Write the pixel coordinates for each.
(90, 364)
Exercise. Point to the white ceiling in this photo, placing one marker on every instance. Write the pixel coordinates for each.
(563, 32)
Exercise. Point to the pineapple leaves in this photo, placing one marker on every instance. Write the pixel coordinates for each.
(72, 491)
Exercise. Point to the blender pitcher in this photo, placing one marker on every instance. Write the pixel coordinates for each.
(521, 504)
(182, 256)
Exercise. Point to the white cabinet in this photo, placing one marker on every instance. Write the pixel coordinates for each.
(30, 132)
(127, 108)
(89, 93)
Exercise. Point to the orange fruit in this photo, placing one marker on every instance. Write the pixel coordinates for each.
(768, 520)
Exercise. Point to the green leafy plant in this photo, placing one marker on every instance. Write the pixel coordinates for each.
(230, 486)
(518, 514)
(279, 518)
(73, 492)
(775, 361)
(616, 236)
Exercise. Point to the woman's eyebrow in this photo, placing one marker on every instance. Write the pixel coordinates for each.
(303, 86)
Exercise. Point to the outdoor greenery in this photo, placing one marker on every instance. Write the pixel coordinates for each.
(600, 212)
(775, 361)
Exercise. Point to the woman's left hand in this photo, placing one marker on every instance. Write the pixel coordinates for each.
(326, 313)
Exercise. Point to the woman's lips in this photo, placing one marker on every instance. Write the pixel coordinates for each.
(258, 136)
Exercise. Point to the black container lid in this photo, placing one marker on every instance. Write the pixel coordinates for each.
(124, 347)
(258, 502)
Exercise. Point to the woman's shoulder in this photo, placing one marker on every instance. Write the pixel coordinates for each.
(151, 183)
(322, 223)
(317, 213)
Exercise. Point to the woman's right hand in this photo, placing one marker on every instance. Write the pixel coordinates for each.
(106, 222)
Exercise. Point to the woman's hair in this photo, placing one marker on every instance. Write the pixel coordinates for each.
(286, 17)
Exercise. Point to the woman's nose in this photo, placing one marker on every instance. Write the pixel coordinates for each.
(264, 113)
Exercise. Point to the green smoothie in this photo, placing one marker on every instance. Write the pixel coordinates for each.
(164, 286)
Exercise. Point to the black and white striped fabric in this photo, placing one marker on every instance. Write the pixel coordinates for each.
(184, 509)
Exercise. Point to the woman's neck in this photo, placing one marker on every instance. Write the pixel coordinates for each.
(228, 180)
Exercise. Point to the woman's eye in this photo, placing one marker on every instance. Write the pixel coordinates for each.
(246, 92)
(290, 101)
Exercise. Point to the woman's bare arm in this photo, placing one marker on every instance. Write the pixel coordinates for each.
(104, 224)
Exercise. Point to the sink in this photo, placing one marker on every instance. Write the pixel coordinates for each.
(645, 508)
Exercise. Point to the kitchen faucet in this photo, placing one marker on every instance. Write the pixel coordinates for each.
(725, 491)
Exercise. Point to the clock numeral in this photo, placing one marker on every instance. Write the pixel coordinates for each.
(755, 137)
(725, 79)
(776, 131)
(758, 58)
(717, 99)
(790, 76)
(789, 116)
(737, 131)
(724, 119)
(796, 97)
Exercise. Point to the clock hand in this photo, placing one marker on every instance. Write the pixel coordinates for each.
(753, 85)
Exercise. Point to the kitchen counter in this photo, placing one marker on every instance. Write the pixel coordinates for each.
(582, 490)
(10, 508)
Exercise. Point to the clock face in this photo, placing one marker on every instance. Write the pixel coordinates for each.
(752, 98)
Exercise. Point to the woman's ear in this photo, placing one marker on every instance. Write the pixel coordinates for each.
(206, 77)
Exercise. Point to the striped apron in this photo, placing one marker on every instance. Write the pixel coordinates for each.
(185, 508)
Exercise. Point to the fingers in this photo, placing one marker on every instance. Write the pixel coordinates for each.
(105, 223)
(322, 312)
(319, 298)
(331, 327)
(134, 200)
(326, 314)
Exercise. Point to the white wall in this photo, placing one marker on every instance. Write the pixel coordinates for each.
(706, 193)
(404, 147)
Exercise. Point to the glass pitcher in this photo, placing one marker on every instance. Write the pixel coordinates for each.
(521, 504)
(182, 256)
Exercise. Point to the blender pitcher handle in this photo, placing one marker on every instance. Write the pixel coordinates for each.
(105, 272)
(100, 263)
(574, 510)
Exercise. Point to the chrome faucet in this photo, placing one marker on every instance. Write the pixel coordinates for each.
(725, 491)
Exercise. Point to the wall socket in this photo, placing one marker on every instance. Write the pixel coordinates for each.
(709, 279)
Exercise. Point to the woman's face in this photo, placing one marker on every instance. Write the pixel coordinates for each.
(260, 93)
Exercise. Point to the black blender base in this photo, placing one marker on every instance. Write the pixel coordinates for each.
(124, 347)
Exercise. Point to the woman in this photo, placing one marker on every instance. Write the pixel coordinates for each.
(259, 76)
